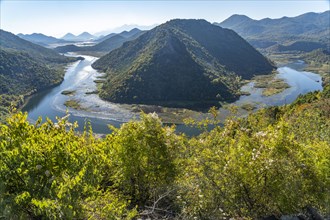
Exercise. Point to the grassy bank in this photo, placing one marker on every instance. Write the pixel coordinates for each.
(317, 61)
(74, 104)
(271, 84)
(68, 92)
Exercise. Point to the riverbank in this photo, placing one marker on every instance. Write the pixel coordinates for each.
(74, 95)
(19, 101)
(270, 84)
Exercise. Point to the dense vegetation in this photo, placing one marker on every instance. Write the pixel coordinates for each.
(184, 63)
(304, 46)
(319, 61)
(26, 68)
(7, 102)
(276, 161)
(21, 74)
(302, 33)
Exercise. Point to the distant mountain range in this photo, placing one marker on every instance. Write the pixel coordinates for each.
(125, 34)
(102, 37)
(305, 32)
(44, 40)
(125, 28)
(106, 44)
(182, 63)
(41, 39)
(85, 36)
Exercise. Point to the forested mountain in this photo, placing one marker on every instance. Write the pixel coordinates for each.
(106, 44)
(26, 68)
(117, 40)
(295, 33)
(178, 62)
(42, 54)
(41, 39)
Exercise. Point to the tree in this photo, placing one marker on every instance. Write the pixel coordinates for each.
(143, 155)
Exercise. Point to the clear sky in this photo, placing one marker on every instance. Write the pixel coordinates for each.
(56, 18)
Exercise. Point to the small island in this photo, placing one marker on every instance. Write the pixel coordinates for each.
(68, 92)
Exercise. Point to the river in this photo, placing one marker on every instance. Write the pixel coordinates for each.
(80, 78)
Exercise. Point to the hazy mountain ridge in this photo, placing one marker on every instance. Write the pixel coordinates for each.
(103, 38)
(109, 43)
(181, 60)
(69, 36)
(41, 39)
(125, 27)
(85, 36)
(285, 31)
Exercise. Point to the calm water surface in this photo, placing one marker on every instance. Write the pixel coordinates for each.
(80, 77)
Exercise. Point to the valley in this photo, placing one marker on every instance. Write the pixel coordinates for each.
(165, 110)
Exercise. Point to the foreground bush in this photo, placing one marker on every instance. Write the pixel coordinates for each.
(274, 162)
(48, 171)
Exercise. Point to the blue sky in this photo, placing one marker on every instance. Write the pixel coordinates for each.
(56, 18)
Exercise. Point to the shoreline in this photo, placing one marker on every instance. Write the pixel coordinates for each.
(29, 96)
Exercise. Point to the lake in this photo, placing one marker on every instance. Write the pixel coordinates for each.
(80, 78)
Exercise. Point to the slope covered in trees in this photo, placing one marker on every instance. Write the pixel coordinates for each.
(21, 74)
(319, 62)
(179, 63)
(42, 54)
(273, 162)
